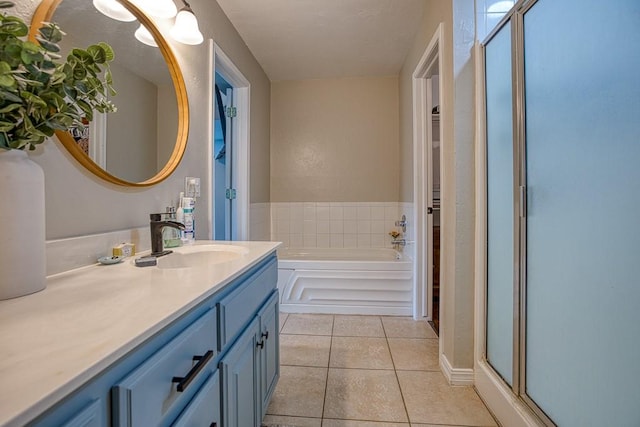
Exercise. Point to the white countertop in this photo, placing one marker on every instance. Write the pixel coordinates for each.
(54, 341)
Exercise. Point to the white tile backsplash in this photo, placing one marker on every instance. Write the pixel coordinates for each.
(334, 224)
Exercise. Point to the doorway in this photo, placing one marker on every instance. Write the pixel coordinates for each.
(229, 149)
(223, 190)
(427, 143)
(433, 209)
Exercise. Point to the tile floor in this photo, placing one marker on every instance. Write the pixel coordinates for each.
(366, 371)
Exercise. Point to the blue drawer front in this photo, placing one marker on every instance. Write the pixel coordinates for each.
(204, 409)
(237, 308)
(149, 396)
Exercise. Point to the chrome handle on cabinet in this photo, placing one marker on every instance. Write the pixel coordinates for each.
(183, 382)
(260, 344)
(265, 335)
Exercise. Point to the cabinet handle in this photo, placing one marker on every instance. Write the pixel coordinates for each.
(183, 382)
(265, 335)
(260, 344)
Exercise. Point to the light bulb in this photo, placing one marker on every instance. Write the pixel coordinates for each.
(143, 35)
(157, 8)
(114, 10)
(185, 30)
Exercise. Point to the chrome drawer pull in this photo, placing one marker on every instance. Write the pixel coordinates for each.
(183, 382)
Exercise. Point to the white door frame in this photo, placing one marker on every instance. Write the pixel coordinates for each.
(222, 64)
(422, 187)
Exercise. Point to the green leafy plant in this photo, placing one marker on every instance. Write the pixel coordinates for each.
(40, 93)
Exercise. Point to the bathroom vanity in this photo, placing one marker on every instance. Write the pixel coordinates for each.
(192, 342)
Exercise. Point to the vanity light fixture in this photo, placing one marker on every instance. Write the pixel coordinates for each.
(163, 9)
(185, 29)
(143, 35)
(114, 10)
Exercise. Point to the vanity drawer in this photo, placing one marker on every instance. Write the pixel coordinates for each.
(163, 385)
(237, 308)
(204, 409)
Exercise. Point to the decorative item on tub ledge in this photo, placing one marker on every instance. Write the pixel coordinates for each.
(394, 235)
(38, 94)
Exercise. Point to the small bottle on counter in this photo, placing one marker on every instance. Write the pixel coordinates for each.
(188, 234)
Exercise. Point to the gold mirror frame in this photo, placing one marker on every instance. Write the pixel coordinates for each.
(44, 13)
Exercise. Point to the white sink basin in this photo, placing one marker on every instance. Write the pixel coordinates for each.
(201, 255)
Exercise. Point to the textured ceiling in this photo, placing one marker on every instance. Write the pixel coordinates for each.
(311, 39)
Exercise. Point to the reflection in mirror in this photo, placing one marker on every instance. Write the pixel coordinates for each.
(143, 141)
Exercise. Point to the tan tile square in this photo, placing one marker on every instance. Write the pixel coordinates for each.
(283, 319)
(360, 352)
(413, 354)
(360, 394)
(352, 423)
(406, 327)
(433, 425)
(299, 393)
(357, 326)
(291, 421)
(430, 399)
(308, 324)
(305, 350)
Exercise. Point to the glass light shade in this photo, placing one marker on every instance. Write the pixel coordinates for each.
(164, 9)
(143, 35)
(114, 10)
(185, 30)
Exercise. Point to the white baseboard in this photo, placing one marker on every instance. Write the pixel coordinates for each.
(503, 404)
(456, 376)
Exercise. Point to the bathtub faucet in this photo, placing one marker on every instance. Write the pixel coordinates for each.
(400, 242)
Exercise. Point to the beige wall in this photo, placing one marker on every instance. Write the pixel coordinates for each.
(132, 131)
(77, 203)
(457, 167)
(335, 140)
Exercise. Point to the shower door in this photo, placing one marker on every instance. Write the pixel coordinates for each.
(563, 197)
(582, 348)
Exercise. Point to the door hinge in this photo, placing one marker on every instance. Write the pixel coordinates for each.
(231, 112)
(230, 193)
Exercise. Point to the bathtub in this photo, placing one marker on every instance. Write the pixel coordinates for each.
(345, 281)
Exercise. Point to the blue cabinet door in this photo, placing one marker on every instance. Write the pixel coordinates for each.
(239, 381)
(269, 370)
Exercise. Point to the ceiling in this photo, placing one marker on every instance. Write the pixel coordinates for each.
(315, 39)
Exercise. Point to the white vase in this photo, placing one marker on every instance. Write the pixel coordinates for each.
(22, 225)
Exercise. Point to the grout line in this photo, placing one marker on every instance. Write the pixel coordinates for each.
(326, 381)
(395, 371)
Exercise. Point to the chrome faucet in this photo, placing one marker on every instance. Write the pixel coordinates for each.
(157, 225)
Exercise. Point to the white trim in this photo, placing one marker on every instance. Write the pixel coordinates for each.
(456, 376)
(421, 132)
(222, 64)
(501, 401)
(98, 139)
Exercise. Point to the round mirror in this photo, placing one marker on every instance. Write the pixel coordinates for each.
(143, 142)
